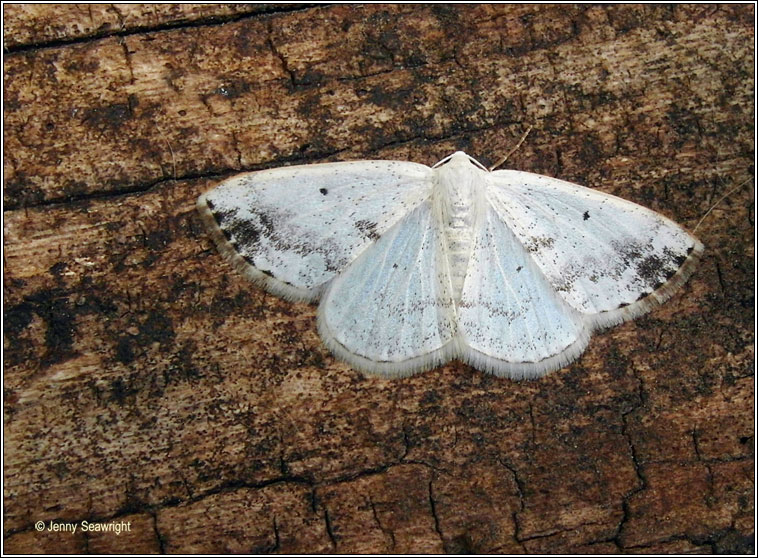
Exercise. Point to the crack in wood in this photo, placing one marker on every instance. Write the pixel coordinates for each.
(520, 488)
(433, 509)
(329, 529)
(205, 22)
(387, 532)
(642, 481)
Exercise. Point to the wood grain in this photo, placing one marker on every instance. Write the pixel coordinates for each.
(147, 382)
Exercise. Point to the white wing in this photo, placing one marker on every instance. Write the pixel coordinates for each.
(390, 312)
(292, 229)
(511, 320)
(608, 258)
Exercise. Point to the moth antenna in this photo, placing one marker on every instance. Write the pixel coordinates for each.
(443, 161)
(504, 159)
(722, 198)
(477, 163)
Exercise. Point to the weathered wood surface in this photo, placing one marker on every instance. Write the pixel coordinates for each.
(147, 382)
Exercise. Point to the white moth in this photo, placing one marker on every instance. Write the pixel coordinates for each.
(507, 271)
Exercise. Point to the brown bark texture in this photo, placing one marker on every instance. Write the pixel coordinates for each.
(146, 382)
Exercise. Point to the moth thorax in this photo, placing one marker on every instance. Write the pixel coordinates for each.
(457, 196)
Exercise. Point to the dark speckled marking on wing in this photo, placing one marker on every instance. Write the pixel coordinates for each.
(368, 229)
(244, 233)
